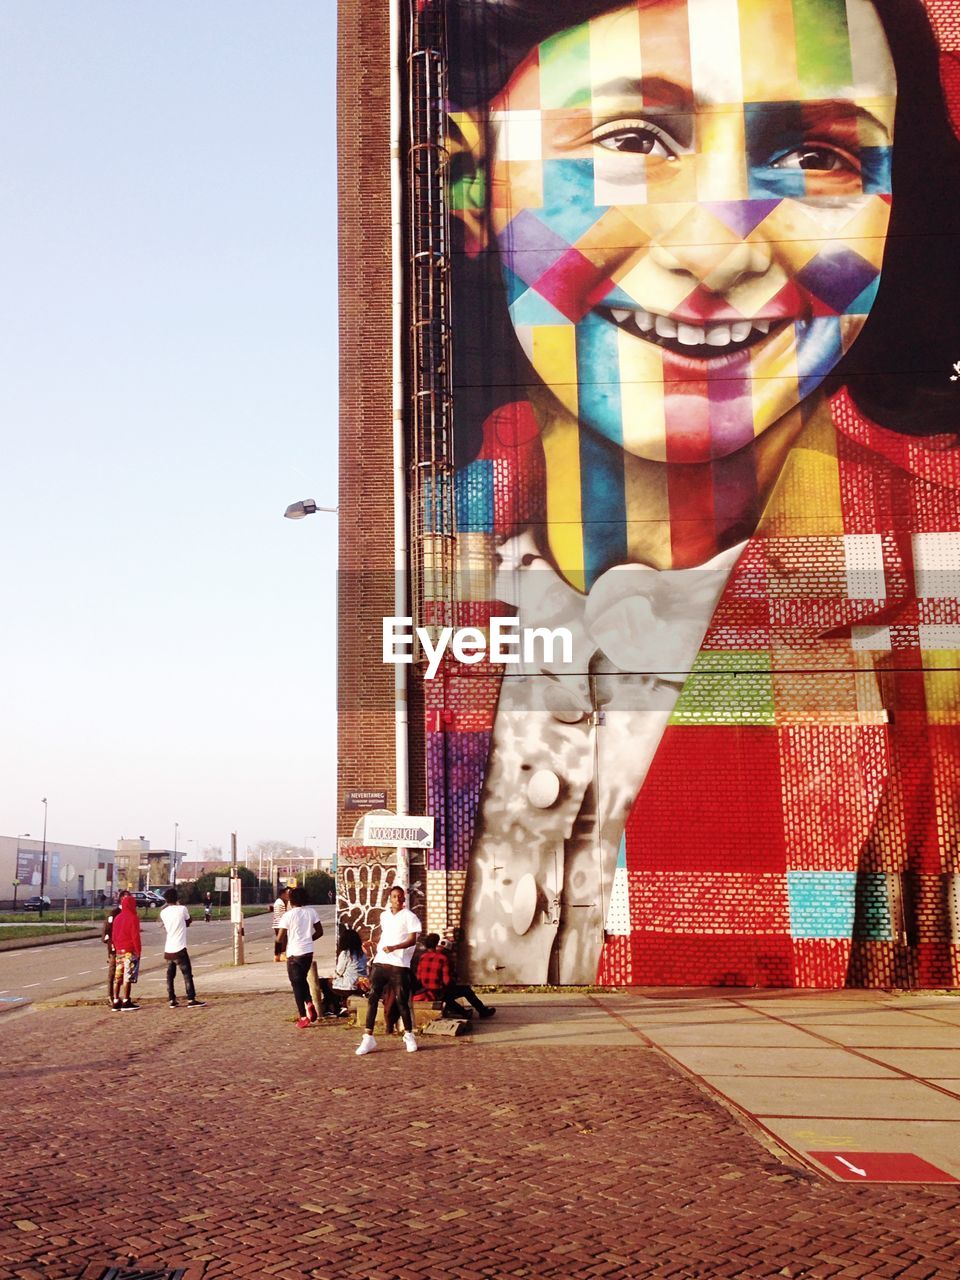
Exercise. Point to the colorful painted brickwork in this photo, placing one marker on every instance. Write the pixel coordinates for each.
(687, 207)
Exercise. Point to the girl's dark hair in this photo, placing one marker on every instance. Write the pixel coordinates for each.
(349, 941)
(898, 370)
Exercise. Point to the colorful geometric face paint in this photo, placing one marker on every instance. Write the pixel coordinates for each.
(690, 201)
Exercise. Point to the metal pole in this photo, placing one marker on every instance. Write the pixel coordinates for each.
(176, 833)
(238, 925)
(43, 857)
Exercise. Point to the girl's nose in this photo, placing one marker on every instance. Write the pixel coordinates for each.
(718, 266)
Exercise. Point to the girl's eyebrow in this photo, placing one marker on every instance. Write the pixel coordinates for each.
(654, 91)
(814, 113)
(767, 121)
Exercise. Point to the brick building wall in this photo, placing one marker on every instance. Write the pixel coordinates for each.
(366, 587)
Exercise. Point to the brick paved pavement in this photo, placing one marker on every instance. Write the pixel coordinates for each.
(462, 1161)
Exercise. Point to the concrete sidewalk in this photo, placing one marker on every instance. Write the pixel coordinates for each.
(831, 1078)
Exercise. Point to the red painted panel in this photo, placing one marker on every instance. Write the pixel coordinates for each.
(711, 960)
(711, 801)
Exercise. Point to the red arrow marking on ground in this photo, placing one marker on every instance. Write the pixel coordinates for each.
(881, 1166)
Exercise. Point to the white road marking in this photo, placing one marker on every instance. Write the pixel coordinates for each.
(852, 1167)
(30, 984)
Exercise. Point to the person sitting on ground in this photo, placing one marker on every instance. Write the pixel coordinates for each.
(301, 928)
(125, 936)
(350, 967)
(176, 921)
(436, 980)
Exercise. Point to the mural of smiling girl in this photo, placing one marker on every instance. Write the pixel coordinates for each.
(704, 337)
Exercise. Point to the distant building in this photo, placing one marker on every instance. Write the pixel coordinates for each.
(22, 861)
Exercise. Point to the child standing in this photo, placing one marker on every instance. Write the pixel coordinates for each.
(125, 937)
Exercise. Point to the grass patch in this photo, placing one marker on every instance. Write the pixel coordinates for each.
(18, 931)
(82, 915)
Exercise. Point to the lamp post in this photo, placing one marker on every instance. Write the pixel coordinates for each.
(173, 869)
(297, 510)
(312, 852)
(43, 858)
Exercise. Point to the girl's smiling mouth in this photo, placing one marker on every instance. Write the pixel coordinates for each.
(706, 340)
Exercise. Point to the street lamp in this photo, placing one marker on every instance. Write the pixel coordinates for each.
(176, 833)
(297, 510)
(43, 858)
(312, 852)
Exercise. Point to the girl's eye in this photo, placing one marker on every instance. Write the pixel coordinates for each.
(637, 140)
(815, 159)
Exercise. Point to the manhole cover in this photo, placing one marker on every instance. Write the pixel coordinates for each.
(152, 1273)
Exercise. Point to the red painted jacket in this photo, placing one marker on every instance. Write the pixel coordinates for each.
(800, 823)
(125, 935)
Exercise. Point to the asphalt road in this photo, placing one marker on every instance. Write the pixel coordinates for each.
(74, 968)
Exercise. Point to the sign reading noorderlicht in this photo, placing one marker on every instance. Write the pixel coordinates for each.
(508, 642)
(365, 800)
(398, 831)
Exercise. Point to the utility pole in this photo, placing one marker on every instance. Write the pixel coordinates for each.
(43, 858)
(236, 902)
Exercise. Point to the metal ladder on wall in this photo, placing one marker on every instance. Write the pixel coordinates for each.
(429, 356)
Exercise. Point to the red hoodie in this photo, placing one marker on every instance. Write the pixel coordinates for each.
(126, 927)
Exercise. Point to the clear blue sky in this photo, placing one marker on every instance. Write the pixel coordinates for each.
(168, 384)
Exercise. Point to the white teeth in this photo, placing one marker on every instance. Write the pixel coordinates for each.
(718, 335)
(690, 335)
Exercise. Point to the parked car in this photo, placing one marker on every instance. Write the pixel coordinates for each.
(35, 903)
(146, 898)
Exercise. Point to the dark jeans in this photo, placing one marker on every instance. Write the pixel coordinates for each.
(458, 991)
(111, 972)
(397, 979)
(180, 960)
(297, 969)
(277, 949)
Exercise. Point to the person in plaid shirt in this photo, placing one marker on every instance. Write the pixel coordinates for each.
(436, 980)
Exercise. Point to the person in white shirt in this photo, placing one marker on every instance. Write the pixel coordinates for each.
(301, 928)
(176, 921)
(399, 929)
(279, 908)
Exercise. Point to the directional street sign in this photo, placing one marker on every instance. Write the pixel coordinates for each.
(399, 831)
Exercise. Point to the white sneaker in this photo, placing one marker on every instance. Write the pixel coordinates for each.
(409, 1042)
(366, 1045)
